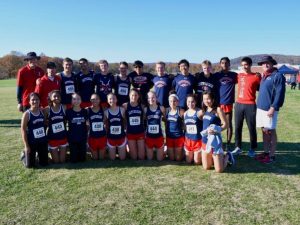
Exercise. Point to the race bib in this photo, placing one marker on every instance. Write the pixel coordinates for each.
(153, 129)
(97, 126)
(134, 120)
(39, 132)
(123, 91)
(58, 127)
(191, 129)
(116, 130)
(70, 89)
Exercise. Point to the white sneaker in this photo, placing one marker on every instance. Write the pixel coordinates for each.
(237, 151)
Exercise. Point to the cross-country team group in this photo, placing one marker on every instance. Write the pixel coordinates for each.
(121, 116)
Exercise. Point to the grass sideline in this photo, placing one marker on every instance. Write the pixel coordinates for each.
(135, 192)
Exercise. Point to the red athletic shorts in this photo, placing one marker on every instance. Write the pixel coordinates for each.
(56, 143)
(68, 106)
(96, 144)
(175, 142)
(85, 104)
(116, 142)
(226, 108)
(154, 142)
(136, 137)
(191, 145)
(104, 105)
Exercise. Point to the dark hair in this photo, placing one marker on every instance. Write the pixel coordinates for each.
(103, 61)
(84, 60)
(248, 60)
(34, 94)
(161, 63)
(213, 98)
(69, 60)
(226, 59)
(123, 63)
(138, 63)
(138, 92)
(184, 61)
(50, 94)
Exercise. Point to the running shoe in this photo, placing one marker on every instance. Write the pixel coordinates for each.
(237, 151)
(251, 153)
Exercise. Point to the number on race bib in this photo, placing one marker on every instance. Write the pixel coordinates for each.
(97, 126)
(134, 120)
(70, 89)
(153, 129)
(58, 127)
(116, 130)
(191, 129)
(39, 132)
(123, 91)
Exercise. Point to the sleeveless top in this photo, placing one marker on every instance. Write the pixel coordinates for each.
(36, 128)
(174, 124)
(67, 88)
(122, 90)
(154, 122)
(115, 125)
(97, 129)
(57, 125)
(193, 126)
(208, 119)
(134, 117)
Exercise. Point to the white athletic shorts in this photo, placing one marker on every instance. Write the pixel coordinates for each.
(262, 119)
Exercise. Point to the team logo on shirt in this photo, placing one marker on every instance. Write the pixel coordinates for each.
(106, 88)
(160, 84)
(226, 80)
(184, 83)
(140, 79)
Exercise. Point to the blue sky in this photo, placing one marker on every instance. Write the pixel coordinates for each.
(150, 30)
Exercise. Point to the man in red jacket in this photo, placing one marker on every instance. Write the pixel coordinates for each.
(26, 80)
(48, 83)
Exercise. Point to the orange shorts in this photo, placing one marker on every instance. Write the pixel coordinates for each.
(116, 142)
(53, 144)
(191, 145)
(85, 104)
(154, 142)
(136, 137)
(175, 142)
(96, 144)
(226, 108)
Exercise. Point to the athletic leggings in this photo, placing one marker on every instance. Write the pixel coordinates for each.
(77, 151)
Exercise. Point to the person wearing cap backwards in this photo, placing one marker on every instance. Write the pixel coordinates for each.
(85, 83)
(226, 83)
(270, 99)
(48, 83)
(141, 81)
(183, 83)
(26, 80)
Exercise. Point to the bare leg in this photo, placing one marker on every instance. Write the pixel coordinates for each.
(229, 129)
(273, 142)
(220, 162)
(171, 153)
(160, 154)
(132, 144)
(102, 153)
(55, 155)
(197, 157)
(112, 152)
(122, 152)
(266, 140)
(178, 154)
(149, 153)
(207, 160)
(62, 154)
(189, 155)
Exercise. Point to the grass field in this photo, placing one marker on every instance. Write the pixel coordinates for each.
(142, 192)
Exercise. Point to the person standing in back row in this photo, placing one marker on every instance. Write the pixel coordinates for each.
(227, 81)
(245, 106)
(270, 99)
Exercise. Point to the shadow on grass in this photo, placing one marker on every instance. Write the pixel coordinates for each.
(287, 163)
(10, 123)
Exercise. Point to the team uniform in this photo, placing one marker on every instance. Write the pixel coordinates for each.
(67, 88)
(57, 133)
(104, 86)
(97, 134)
(143, 83)
(192, 133)
(115, 134)
(210, 118)
(203, 84)
(45, 86)
(174, 131)
(26, 82)
(162, 87)
(154, 136)
(245, 107)
(271, 94)
(85, 87)
(77, 134)
(122, 88)
(37, 139)
(183, 86)
(226, 84)
(135, 124)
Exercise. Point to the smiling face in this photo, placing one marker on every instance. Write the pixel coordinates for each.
(51, 72)
(225, 65)
(32, 62)
(68, 66)
(123, 69)
(160, 69)
(134, 96)
(138, 70)
(76, 100)
(173, 102)
(34, 101)
(111, 99)
(246, 67)
(267, 66)
(95, 100)
(83, 65)
(103, 68)
(190, 102)
(207, 101)
(151, 98)
(184, 69)
(55, 98)
(206, 69)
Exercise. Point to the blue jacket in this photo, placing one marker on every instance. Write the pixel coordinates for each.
(271, 91)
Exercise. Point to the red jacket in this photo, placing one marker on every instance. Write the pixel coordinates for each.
(45, 86)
